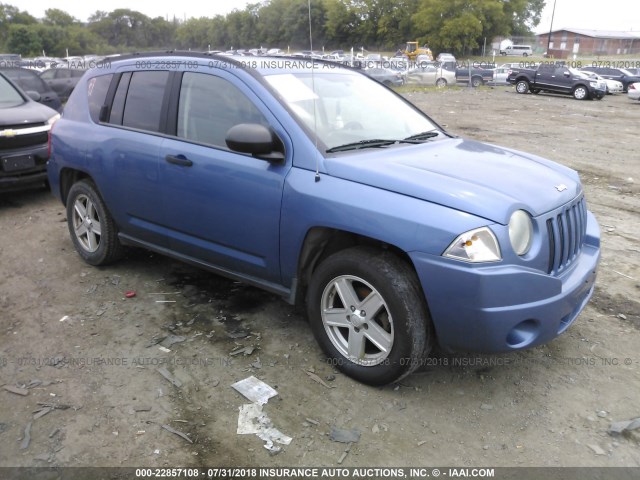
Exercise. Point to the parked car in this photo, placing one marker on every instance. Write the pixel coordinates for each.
(557, 78)
(519, 65)
(620, 74)
(324, 187)
(633, 92)
(28, 80)
(431, 74)
(445, 57)
(62, 80)
(386, 76)
(613, 86)
(475, 75)
(24, 132)
(500, 75)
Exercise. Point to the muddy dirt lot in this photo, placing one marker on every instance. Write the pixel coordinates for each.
(83, 358)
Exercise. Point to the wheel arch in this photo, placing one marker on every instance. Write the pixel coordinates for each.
(69, 176)
(478, 79)
(321, 242)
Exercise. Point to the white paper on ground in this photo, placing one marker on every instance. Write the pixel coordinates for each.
(253, 420)
(255, 390)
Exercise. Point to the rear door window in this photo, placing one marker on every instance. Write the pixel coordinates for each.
(143, 105)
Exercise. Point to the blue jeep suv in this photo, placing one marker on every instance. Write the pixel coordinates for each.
(314, 182)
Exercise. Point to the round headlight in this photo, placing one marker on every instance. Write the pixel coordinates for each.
(520, 232)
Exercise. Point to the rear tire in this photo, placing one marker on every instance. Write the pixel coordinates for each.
(93, 230)
(367, 312)
(476, 81)
(441, 82)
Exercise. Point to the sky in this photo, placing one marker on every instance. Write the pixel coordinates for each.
(611, 15)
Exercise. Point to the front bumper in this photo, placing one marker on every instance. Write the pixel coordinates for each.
(500, 308)
(30, 176)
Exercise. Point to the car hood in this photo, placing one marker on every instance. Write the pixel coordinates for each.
(28, 112)
(470, 176)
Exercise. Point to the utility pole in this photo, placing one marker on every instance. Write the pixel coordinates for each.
(551, 27)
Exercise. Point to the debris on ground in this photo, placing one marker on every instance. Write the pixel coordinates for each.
(252, 420)
(618, 428)
(170, 340)
(26, 439)
(165, 373)
(317, 379)
(130, 294)
(344, 454)
(597, 449)
(176, 432)
(240, 333)
(255, 390)
(16, 390)
(256, 364)
(344, 436)
(377, 428)
(45, 408)
(246, 350)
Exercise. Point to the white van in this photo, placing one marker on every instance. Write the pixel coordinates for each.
(518, 50)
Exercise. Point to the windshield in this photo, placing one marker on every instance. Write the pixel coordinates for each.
(347, 107)
(9, 96)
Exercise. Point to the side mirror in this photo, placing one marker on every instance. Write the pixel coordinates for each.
(256, 140)
(33, 95)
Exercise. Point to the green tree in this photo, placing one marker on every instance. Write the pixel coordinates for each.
(122, 27)
(194, 34)
(460, 26)
(10, 15)
(523, 15)
(341, 22)
(57, 17)
(24, 39)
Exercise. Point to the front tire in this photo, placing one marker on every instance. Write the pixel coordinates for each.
(368, 314)
(580, 93)
(93, 230)
(522, 86)
(476, 81)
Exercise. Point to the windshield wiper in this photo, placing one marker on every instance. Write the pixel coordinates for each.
(373, 143)
(423, 135)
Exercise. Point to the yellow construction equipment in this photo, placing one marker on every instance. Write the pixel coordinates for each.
(413, 50)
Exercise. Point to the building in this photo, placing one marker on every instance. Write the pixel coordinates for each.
(579, 41)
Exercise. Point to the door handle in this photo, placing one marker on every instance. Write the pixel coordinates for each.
(179, 160)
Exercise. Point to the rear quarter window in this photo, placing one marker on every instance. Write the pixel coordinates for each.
(97, 89)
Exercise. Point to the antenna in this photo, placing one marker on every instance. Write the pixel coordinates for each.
(313, 88)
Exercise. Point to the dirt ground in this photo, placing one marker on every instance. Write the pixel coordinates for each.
(71, 339)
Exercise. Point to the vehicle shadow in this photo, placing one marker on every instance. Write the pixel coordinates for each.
(21, 198)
